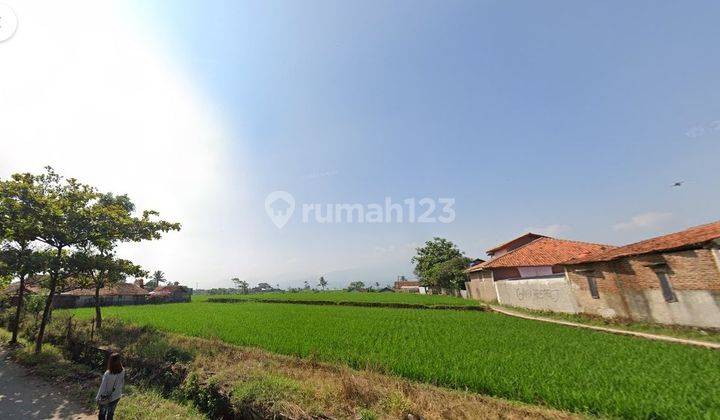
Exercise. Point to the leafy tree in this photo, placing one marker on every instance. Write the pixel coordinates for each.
(19, 258)
(21, 262)
(356, 286)
(113, 222)
(306, 285)
(68, 219)
(5, 279)
(264, 287)
(448, 274)
(58, 210)
(241, 284)
(322, 282)
(435, 251)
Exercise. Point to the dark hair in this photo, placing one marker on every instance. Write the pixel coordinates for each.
(114, 364)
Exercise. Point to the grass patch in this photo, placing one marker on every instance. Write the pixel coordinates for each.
(138, 404)
(529, 361)
(265, 390)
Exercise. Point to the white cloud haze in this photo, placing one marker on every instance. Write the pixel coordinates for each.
(82, 90)
(645, 221)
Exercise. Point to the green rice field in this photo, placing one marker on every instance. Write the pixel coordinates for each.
(534, 362)
(340, 296)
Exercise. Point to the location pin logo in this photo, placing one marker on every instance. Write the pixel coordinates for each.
(8, 22)
(280, 206)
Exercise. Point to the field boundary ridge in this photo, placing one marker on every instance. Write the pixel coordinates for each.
(398, 305)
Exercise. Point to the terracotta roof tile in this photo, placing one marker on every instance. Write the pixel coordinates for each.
(541, 252)
(171, 288)
(124, 289)
(692, 237)
(509, 243)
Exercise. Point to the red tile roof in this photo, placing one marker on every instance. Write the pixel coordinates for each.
(541, 252)
(13, 288)
(689, 238)
(119, 289)
(528, 236)
(170, 289)
(35, 284)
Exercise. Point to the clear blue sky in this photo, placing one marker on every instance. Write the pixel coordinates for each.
(570, 118)
(530, 114)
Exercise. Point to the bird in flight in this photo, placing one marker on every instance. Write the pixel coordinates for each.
(678, 184)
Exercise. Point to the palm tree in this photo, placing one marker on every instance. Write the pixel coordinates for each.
(155, 280)
(322, 283)
(159, 277)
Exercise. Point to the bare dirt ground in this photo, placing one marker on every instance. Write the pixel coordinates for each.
(23, 396)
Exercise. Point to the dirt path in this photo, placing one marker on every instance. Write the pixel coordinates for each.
(23, 396)
(706, 344)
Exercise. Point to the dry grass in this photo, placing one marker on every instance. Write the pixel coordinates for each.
(302, 388)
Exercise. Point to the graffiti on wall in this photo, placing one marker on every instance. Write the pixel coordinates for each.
(552, 295)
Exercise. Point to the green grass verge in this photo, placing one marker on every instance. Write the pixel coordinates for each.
(140, 404)
(340, 296)
(678, 331)
(529, 361)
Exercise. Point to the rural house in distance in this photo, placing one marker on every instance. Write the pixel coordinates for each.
(171, 293)
(408, 286)
(116, 294)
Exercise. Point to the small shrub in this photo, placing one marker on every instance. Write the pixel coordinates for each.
(396, 402)
(367, 414)
(265, 391)
(205, 395)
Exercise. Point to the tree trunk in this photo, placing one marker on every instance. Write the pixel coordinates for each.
(18, 311)
(45, 318)
(54, 274)
(98, 315)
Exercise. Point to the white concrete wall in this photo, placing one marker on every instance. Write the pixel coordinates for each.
(698, 308)
(549, 293)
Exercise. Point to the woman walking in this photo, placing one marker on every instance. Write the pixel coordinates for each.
(111, 387)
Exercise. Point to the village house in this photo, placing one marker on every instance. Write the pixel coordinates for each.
(671, 279)
(408, 286)
(527, 272)
(170, 293)
(73, 296)
(116, 294)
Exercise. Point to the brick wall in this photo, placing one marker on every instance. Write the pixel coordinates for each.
(688, 270)
(502, 273)
(630, 287)
(610, 302)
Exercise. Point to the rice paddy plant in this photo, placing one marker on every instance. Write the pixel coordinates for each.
(485, 352)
